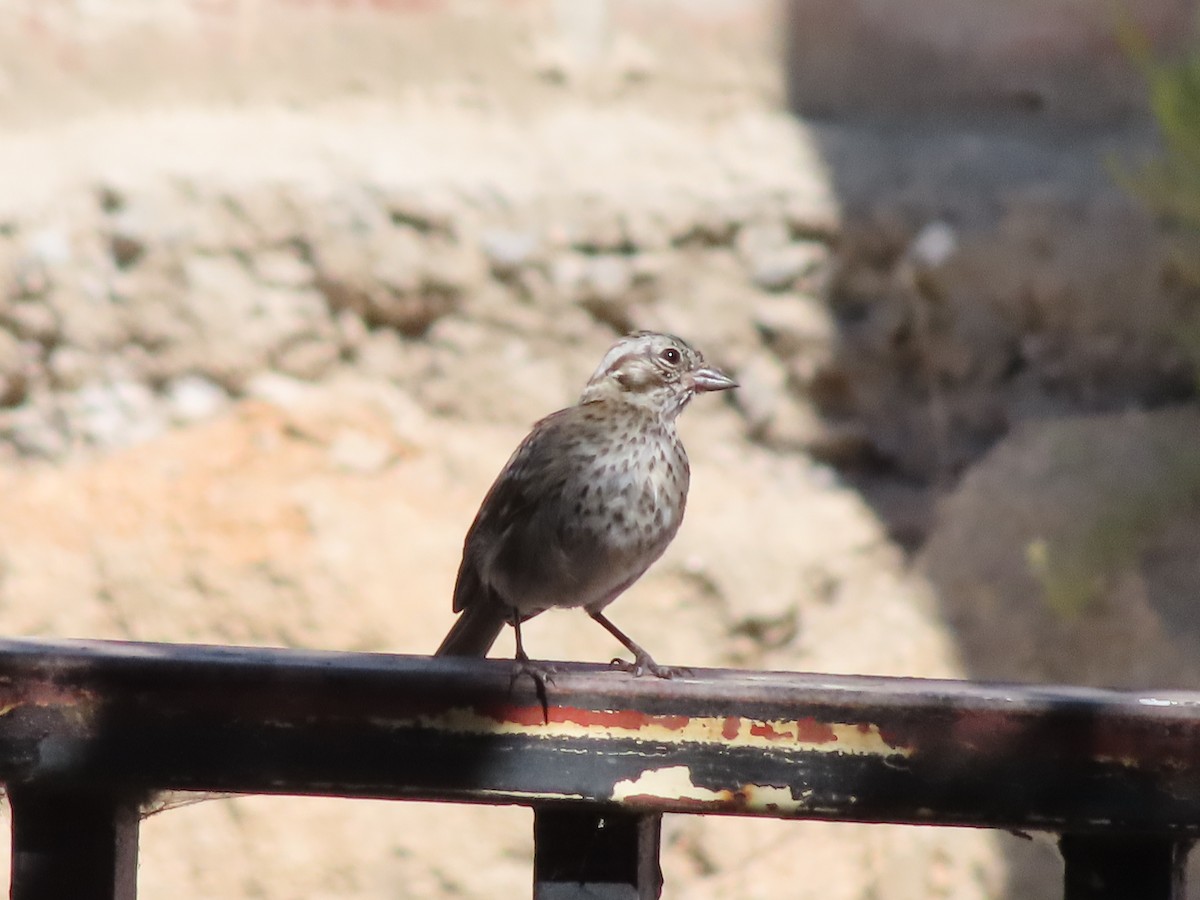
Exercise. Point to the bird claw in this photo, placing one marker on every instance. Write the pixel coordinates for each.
(541, 673)
(643, 665)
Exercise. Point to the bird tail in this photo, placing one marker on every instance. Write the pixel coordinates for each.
(475, 631)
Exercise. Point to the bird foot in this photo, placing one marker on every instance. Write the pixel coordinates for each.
(643, 664)
(542, 675)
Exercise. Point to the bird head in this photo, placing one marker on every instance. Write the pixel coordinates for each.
(659, 371)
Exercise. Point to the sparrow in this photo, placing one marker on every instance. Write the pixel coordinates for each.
(587, 502)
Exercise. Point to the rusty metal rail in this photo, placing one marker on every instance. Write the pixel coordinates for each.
(88, 730)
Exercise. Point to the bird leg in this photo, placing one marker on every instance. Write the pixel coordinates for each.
(521, 655)
(541, 673)
(642, 661)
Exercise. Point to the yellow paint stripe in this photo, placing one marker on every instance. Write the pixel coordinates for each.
(776, 734)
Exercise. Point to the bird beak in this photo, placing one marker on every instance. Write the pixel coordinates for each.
(711, 379)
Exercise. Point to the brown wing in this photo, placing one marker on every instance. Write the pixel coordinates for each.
(508, 502)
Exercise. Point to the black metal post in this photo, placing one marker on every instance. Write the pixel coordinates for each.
(1123, 867)
(595, 853)
(68, 843)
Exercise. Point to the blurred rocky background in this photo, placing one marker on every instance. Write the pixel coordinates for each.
(282, 282)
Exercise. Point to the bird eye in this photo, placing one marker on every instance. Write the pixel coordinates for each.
(671, 355)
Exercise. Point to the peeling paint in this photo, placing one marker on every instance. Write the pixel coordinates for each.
(669, 783)
(770, 797)
(804, 734)
(675, 785)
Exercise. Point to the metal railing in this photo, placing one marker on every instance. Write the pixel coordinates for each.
(90, 730)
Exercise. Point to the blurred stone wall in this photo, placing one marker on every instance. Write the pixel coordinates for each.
(134, 302)
(978, 260)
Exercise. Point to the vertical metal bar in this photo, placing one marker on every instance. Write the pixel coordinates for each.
(1123, 867)
(599, 854)
(72, 844)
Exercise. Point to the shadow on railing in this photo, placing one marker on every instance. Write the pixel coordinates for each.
(90, 730)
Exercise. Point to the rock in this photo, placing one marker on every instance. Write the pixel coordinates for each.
(115, 413)
(87, 317)
(779, 269)
(192, 398)
(597, 230)
(646, 230)
(453, 267)
(28, 279)
(934, 245)
(774, 415)
(707, 224)
(479, 371)
(270, 212)
(33, 320)
(205, 220)
(762, 389)
(796, 427)
(401, 279)
(814, 214)
(608, 278)
(383, 353)
(50, 246)
(794, 324)
(648, 269)
(283, 268)
(397, 257)
(411, 312)
(148, 305)
(219, 277)
(755, 238)
(568, 273)
(309, 358)
(707, 301)
(507, 251)
(33, 429)
(428, 211)
(70, 367)
(280, 390)
(240, 326)
(606, 291)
